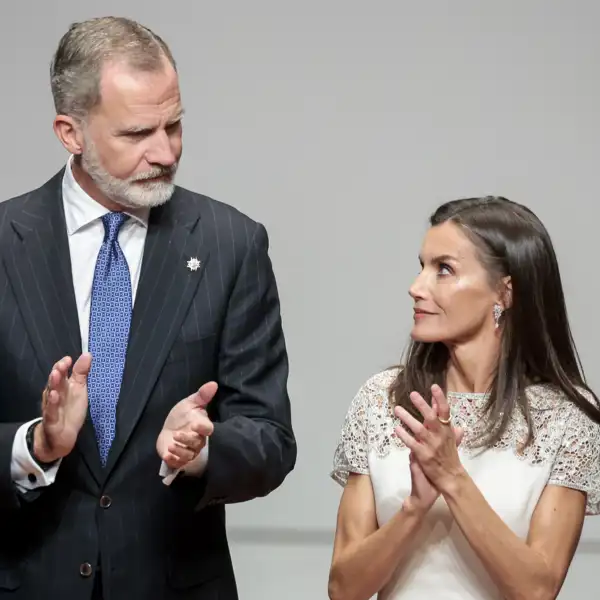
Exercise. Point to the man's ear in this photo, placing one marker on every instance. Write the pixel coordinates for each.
(69, 132)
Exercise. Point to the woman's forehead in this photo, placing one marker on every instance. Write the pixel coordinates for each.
(447, 241)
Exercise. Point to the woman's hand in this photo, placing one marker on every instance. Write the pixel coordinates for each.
(423, 494)
(433, 445)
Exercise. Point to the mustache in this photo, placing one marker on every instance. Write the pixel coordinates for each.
(154, 173)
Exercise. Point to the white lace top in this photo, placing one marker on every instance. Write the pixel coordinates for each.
(565, 451)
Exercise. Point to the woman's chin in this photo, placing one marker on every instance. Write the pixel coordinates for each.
(420, 334)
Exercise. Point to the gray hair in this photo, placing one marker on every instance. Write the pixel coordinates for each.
(76, 68)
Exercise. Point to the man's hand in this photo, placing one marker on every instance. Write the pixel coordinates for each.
(64, 408)
(186, 428)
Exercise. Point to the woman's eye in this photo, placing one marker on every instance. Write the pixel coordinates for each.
(444, 269)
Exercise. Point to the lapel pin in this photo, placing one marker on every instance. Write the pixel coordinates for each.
(193, 264)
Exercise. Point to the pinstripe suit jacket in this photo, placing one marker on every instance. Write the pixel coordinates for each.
(221, 322)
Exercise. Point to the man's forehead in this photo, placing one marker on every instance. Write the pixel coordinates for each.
(125, 88)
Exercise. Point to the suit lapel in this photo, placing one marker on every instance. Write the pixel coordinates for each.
(38, 264)
(164, 293)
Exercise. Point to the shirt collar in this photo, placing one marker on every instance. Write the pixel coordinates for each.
(81, 209)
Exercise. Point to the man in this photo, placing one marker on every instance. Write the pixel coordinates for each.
(147, 317)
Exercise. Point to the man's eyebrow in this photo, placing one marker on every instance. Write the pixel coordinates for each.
(178, 116)
(136, 129)
(140, 129)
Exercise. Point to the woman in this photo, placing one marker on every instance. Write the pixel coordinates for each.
(468, 472)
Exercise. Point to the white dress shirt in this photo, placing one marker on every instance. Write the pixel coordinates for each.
(85, 230)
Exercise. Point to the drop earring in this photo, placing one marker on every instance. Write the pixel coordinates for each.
(497, 314)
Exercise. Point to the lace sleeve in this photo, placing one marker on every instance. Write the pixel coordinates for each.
(351, 452)
(577, 463)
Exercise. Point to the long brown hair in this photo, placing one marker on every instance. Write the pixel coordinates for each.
(537, 345)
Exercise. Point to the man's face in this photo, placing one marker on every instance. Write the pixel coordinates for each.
(133, 138)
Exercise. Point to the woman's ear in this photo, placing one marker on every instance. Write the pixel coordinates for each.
(506, 292)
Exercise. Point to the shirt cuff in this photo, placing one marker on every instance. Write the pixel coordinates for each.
(194, 468)
(25, 472)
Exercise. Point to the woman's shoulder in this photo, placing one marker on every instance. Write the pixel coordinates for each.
(546, 396)
(382, 380)
(375, 391)
(552, 409)
(368, 425)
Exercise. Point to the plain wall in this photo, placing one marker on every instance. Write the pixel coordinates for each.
(340, 125)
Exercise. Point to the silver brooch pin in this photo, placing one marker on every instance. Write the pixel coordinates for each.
(193, 264)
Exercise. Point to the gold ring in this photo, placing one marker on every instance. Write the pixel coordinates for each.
(445, 421)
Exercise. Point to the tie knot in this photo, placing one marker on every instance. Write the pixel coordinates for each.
(112, 223)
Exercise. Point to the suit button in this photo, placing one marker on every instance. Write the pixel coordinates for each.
(105, 501)
(85, 569)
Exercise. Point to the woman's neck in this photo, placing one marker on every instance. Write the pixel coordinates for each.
(473, 365)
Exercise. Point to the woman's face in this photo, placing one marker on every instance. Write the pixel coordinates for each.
(453, 299)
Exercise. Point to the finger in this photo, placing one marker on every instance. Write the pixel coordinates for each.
(201, 398)
(203, 427)
(58, 375)
(429, 415)
(434, 406)
(186, 438)
(415, 426)
(173, 462)
(442, 403)
(407, 439)
(81, 368)
(205, 394)
(193, 441)
(59, 370)
(63, 365)
(414, 467)
(50, 411)
(459, 433)
(182, 453)
(54, 380)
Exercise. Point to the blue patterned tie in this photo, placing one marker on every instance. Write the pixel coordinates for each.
(110, 317)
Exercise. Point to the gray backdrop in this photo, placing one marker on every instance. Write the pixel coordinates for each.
(340, 124)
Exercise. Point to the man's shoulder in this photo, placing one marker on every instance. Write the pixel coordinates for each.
(12, 208)
(212, 211)
(28, 202)
(17, 203)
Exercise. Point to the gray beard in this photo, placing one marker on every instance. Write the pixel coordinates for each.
(132, 192)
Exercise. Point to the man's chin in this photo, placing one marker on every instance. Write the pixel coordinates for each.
(150, 198)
